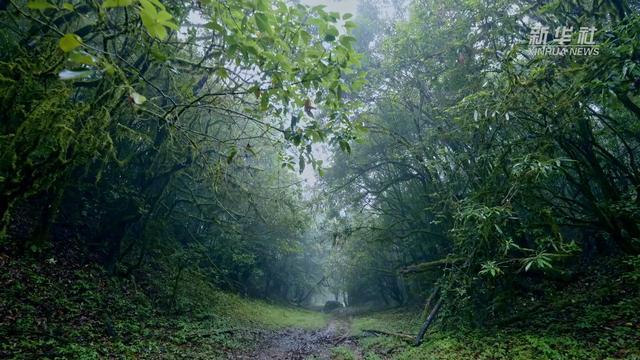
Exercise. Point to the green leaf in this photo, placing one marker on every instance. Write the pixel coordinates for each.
(347, 16)
(346, 40)
(108, 68)
(164, 19)
(156, 21)
(262, 21)
(138, 99)
(263, 5)
(81, 58)
(331, 33)
(305, 37)
(157, 4)
(329, 38)
(69, 42)
(344, 146)
(264, 102)
(349, 25)
(116, 3)
(40, 5)
(68, 6)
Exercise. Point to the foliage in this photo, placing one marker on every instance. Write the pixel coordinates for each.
(594, 317)
(484, 169)
(157, 137)
(148, 159)
(342, 353)
(72, 312)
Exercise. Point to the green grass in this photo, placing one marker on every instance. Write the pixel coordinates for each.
(270, 316)
(519, 344)
(49, 311)
(342, 353)
(501, 345)
(396, 320)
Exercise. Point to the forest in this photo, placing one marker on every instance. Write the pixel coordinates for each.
(320, 179)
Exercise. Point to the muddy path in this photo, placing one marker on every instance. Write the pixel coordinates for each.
(298, 344)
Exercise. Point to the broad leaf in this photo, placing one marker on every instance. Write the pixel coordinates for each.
(69, 42)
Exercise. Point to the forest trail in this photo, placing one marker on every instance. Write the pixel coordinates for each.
(298, 344)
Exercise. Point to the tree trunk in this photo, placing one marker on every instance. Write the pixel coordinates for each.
(427, 305)
(428, 322)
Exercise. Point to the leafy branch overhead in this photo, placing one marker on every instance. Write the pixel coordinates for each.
(177, 118)
(284, 56)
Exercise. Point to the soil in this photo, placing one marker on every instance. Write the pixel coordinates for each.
(298, 344)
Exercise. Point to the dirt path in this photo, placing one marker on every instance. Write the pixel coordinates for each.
(295, 344)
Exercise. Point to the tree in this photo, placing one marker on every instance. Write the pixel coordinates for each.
(157, 136)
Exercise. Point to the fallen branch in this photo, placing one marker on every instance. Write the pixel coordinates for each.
(406, 337)
(430, 318)
(429, 265)
(341, 339)
(427, 305)
(232, 331)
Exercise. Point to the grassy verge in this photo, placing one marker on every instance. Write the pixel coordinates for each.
(621, 342)
(265, 315)
(48, 310)
(396, 320)
(597, 317)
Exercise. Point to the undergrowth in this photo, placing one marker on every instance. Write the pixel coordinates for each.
(595, 317)
(50, 310)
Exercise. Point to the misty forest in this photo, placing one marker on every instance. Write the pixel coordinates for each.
(308, 179)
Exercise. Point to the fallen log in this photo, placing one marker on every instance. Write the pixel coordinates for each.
(427, 305)
(430, 318)
(429, 265)
(406, 337)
